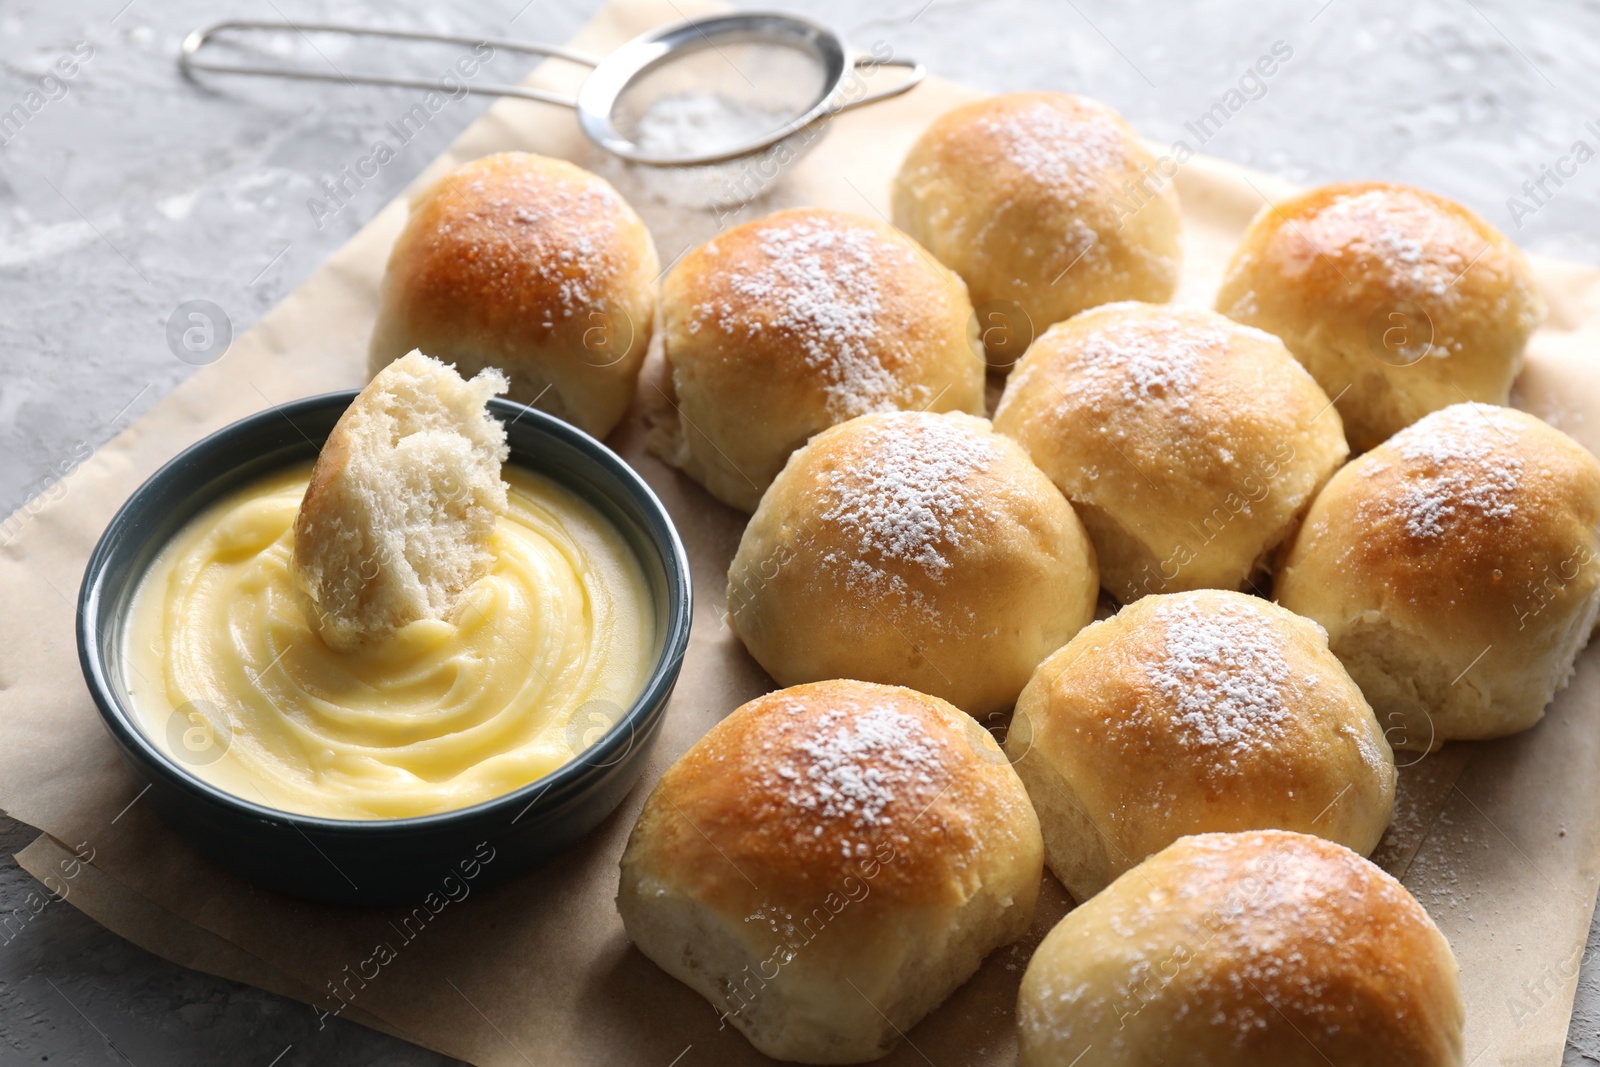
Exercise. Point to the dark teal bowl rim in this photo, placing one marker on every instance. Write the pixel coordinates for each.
(122, 539)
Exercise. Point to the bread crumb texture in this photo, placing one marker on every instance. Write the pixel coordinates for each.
(396, 522)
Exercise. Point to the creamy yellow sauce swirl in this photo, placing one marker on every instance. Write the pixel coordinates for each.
(226, 674)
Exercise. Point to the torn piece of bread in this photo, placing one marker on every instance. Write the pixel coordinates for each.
(395, 524)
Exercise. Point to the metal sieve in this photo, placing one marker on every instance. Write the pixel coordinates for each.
(776, 78)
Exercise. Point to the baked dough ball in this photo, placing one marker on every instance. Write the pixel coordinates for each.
(1455, 570)
(912, 549)
(533, 266)
(829, 863)
(784, 326)
(1190, 445)
(1189, 713)
(1244, 950)
(1047, 200)
(1398, 301)
(395, 523)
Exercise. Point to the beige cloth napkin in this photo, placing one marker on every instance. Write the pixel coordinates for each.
(1500, 841)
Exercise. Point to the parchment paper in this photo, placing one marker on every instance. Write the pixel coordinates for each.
(1500, 841)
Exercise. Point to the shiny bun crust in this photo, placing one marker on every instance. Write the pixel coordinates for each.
(1454, 568)
(1045, 199)
(1245, 950)
(1190, 713)
(1189, 445)
(784, 326)
(912, 549)
(1398, 301)
(829, 863)
(532, 266)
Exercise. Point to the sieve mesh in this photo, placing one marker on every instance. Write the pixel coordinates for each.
(718, 96)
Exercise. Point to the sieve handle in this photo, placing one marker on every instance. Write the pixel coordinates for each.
(197, 39)
(918, 72)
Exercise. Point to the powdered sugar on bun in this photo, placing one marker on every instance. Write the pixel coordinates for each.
(1250, 948)
(858, 847)
(909, 500)
(820, 284)
(1201, 711)
(912, 549)
(1457, 571)
(786, 325)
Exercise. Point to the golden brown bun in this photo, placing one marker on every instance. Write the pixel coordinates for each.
(533, 266)
(1454, 568)
(1265, 949)
(1359, 278)
(784, 326)
(1034, 198)
(912, 549)
(395, 524)
(1190, 445)
(1191, 713)
(829, 863)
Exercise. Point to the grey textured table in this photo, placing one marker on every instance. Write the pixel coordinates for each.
(126, 191)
